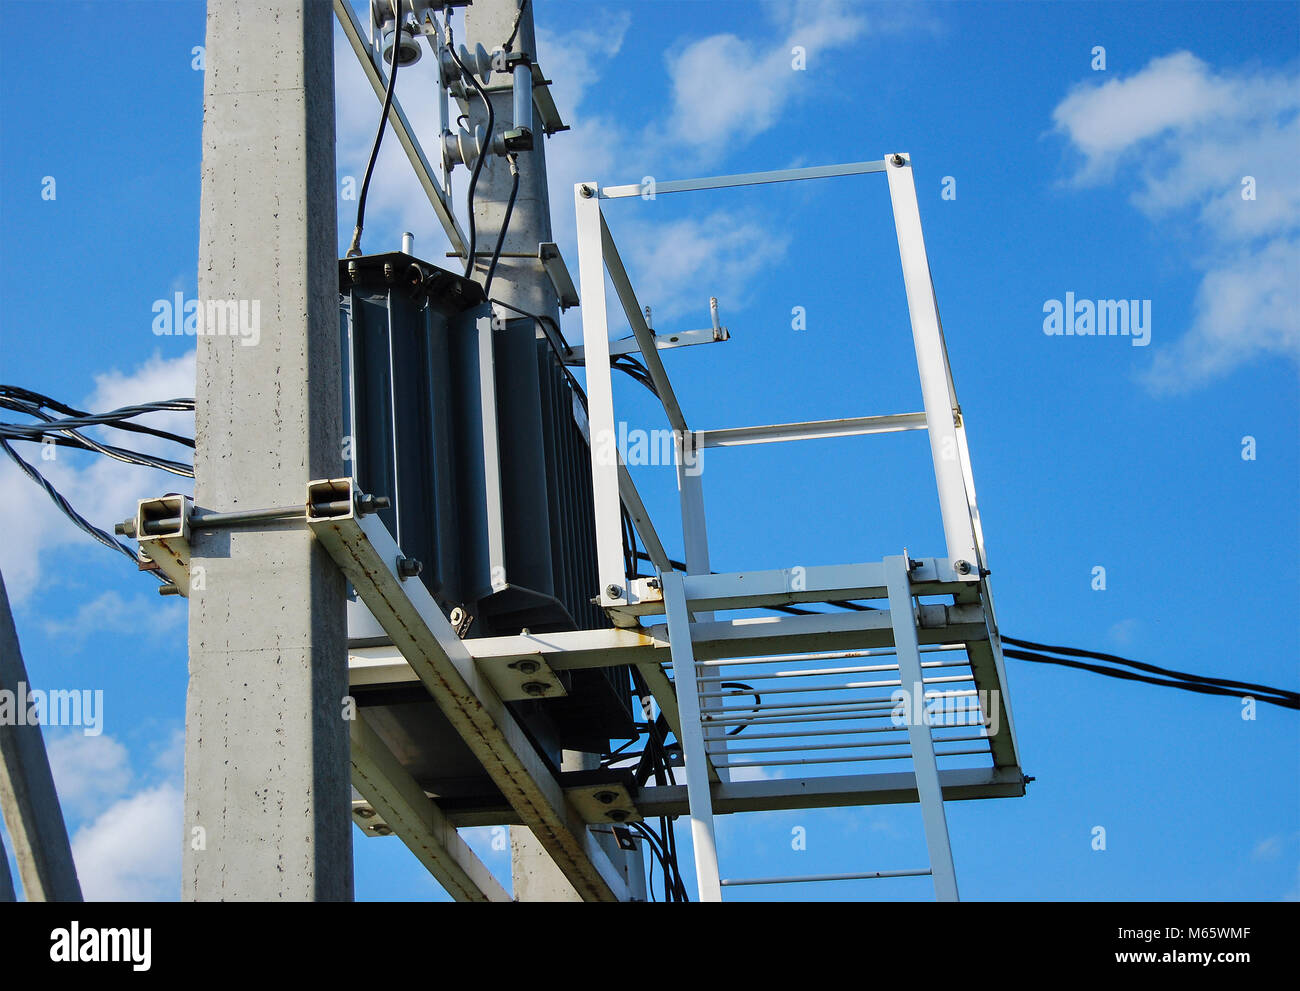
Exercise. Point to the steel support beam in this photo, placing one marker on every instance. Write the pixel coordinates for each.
(703, 840)
(368, 556)
(932, 364)
(924, 766)
(812, 430)
(414, 817)
(745, 179)
(27, 797)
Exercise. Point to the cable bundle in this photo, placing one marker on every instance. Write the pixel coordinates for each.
(65, 431)
(1175, 679)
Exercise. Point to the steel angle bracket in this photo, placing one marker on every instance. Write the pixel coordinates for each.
(367, 554)
(162, 528)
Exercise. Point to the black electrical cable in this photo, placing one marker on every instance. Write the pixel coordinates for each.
(24, 400)
(1154, 669)
(482, 155)
(64, 506)
(758, 700)
(355, 248)
(1284, 700)
(505, 223)
(514, 31)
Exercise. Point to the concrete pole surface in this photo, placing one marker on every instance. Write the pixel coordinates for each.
(521, 282)
(267, 775)
(27, 796)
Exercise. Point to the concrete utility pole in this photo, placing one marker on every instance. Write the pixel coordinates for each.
(267, 777)
(27, 797)
(521, 282)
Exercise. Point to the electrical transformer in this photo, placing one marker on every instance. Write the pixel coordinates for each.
(468, 427)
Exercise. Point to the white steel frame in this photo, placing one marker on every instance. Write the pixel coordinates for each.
(686, 600)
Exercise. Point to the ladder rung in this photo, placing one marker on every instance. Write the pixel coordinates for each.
(801, 878)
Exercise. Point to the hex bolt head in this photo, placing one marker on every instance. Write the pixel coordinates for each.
(366, 813)
(408, 567)
(613, 591)
(527, 667)
(535, 688)
(618, 815)
(605, 797)
(897, 159)
(962, 567)
(381, 830)
(587, 192)
(367, 504)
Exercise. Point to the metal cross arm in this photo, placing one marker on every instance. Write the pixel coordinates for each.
(368, 556)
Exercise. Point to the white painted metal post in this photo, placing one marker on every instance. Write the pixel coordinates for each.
(932, 364)
(690, 487)
(924, 765)
(600, 396)
(697, 768)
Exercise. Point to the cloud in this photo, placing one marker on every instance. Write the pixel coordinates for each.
(110, 612)
(727, 90)
(132, 852)
(89, 771)
(1212, 153)
(101, 489)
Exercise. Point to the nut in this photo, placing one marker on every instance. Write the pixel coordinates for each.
(408, 567)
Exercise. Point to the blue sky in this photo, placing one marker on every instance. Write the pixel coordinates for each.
(1123, 182)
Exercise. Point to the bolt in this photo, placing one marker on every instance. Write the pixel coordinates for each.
(618, 815)
(605, 797)
(366, 813)
(652, 583)
(367, 504)
(613, 591)
(408, 567)
(535, 688)
(587, 192)
(381, 830)
(125, 529)
(897, 160)
(527, 667)
(962, 567)
(168, 590)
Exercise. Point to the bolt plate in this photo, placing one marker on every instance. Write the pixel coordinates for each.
(593, 810)
(509, 675)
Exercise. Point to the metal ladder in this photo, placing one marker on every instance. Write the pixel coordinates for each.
(694, 746)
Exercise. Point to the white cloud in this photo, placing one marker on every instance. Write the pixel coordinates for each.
(728, 89)
(110, 612)
(1185, 138)
(679, 264)
(132, 852)
(101, 489)
(89, 771)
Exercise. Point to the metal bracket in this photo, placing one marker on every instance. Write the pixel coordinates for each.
(162, 528)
